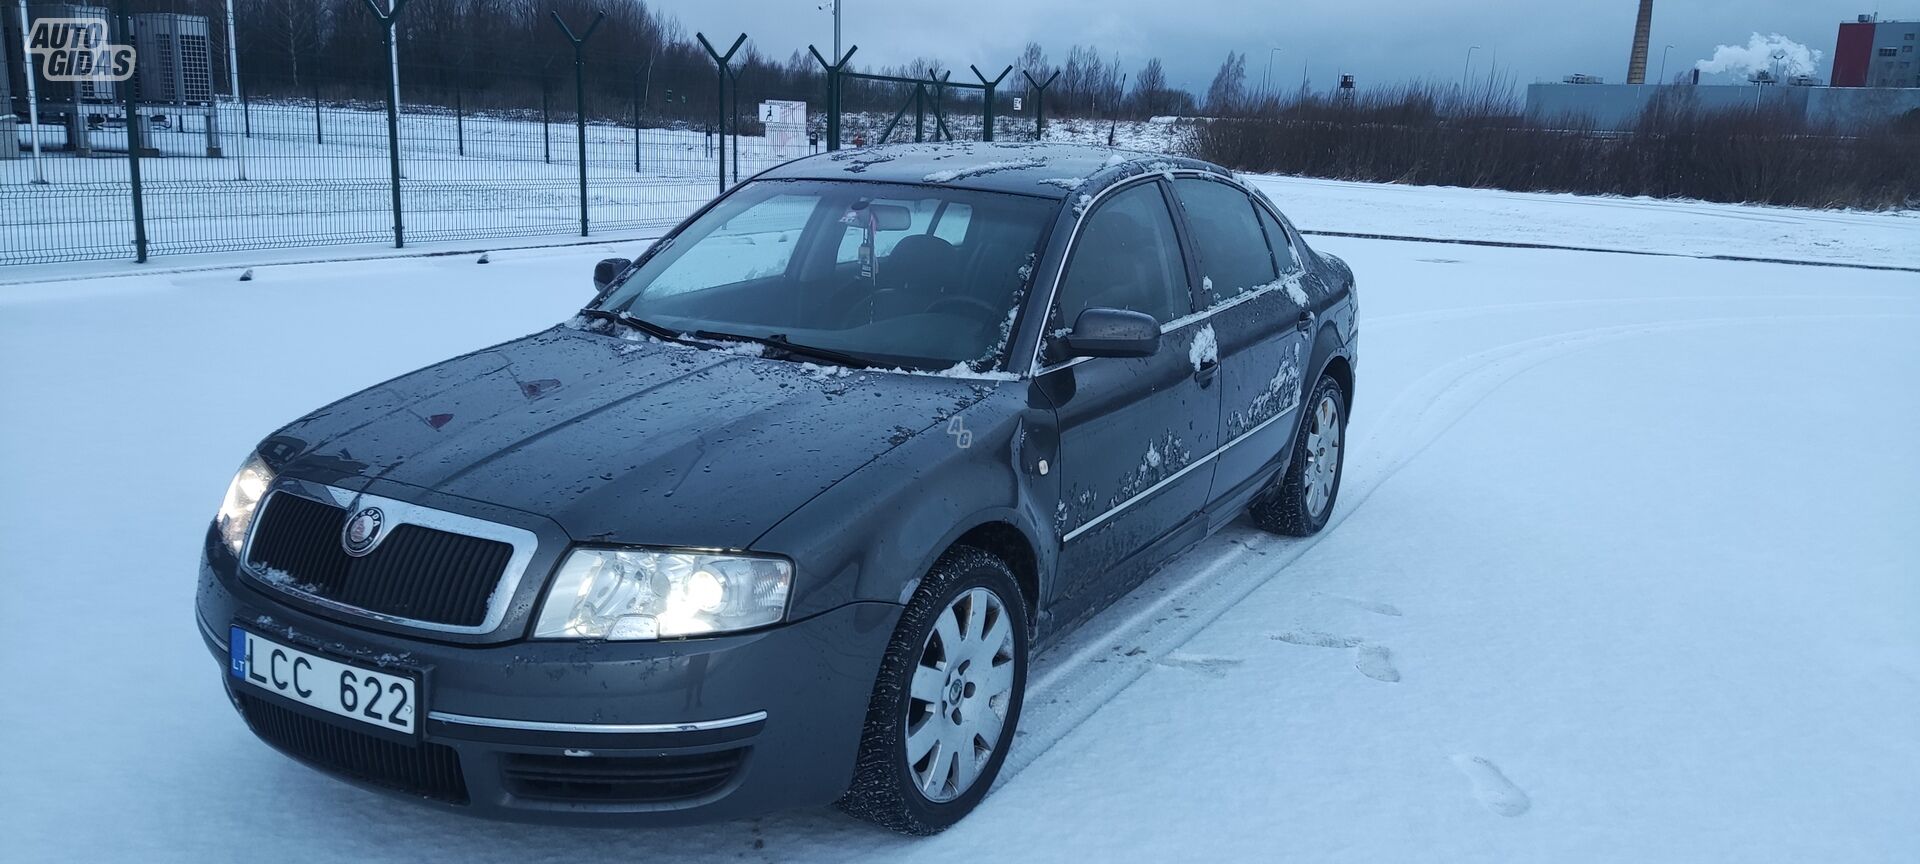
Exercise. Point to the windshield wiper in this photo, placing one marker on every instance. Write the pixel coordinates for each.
(640, 324)
(778, 341)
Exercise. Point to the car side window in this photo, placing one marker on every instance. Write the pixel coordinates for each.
(953, 222)
(1234, 257)
(1280, 241)
(1126, 257)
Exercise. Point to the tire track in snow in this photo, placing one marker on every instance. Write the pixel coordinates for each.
(1561, 247)
(1458, 312)
(1093, 665)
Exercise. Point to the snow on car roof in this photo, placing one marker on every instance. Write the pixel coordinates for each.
(1045, 170)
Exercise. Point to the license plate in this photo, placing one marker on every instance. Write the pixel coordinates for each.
(373, 697)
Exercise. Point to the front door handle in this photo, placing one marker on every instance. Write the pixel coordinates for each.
(1306, 321)
(1209, 370)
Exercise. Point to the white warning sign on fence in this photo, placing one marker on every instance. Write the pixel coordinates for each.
(786, 122)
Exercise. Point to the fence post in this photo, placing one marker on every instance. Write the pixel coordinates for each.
(720, 102)
(636, 123)
(940, 131)
(833, 93)
(393, 118)
(233, 83)
(546, 134)
(460, 119)
(919, 113)
(580, 99)
(319, 134)
(33, 105)
(986, 133)
(1039, 102)
(124, 19)
(733, 90)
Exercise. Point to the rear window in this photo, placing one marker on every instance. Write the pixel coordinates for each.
(1234, 257)
(1280, 241)
(943, 219)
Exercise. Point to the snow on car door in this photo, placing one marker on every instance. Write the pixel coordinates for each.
(1252, 283)
(1135, 434)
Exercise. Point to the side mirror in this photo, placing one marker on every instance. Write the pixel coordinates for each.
(1102, 332)
(608, 270)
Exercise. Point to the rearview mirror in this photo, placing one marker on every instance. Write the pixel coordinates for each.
(1102, 332)
(608, 270)
(890, 217)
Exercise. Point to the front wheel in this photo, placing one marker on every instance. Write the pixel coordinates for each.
(947, 699)
(1302, 499)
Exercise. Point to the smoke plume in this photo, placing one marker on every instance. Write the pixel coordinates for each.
(1776, 53)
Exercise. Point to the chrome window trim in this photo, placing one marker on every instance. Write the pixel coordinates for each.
(599, 728)
(1035, 370)
(1090, 524)
(525, 544)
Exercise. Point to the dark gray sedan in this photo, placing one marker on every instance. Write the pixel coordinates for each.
(779, 518)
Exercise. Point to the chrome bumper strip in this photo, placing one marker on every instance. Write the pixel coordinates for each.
(602, 728)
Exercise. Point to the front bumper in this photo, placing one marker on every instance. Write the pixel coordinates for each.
(581, 732)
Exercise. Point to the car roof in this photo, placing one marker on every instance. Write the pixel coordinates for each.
(1026, 168)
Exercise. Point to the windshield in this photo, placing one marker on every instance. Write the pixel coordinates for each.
(917, 276)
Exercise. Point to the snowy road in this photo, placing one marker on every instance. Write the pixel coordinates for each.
(1623, 570)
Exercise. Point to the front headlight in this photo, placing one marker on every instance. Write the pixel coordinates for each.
(243, 499)
(633, 593)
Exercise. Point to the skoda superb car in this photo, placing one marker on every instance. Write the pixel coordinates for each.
(780, 517)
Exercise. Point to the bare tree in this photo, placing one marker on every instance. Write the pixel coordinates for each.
(1150, 95)
(292, 27)
(1228, 93)
(1033, 61)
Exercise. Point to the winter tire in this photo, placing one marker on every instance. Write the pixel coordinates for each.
(1303, 498)
(947, 699)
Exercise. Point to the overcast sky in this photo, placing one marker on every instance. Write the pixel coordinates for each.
(1381, 41)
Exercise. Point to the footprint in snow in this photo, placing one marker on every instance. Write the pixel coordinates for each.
(1314, 639)
(1491, 787)
(1373, 661)
(1376, 662)
(1214, 667)
(1376, 608)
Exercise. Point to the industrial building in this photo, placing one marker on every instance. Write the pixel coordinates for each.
(1875, 53)
(1617, 107)
(1876, 77)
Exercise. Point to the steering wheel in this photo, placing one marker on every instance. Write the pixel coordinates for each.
(968, 305)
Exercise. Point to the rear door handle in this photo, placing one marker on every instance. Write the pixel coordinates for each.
(1306, 321)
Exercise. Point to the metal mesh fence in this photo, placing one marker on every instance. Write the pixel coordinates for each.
(311, 167)
(495, 146)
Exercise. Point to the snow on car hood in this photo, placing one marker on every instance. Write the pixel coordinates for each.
(622, 441)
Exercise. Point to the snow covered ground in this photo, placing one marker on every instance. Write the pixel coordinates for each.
(1623, 569)
(1647, 225)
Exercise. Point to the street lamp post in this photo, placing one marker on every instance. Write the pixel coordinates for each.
(1467, 70)
(836, 23)
(1663, 65)
(1266, 82)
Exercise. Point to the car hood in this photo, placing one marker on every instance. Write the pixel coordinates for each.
(624, 441)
